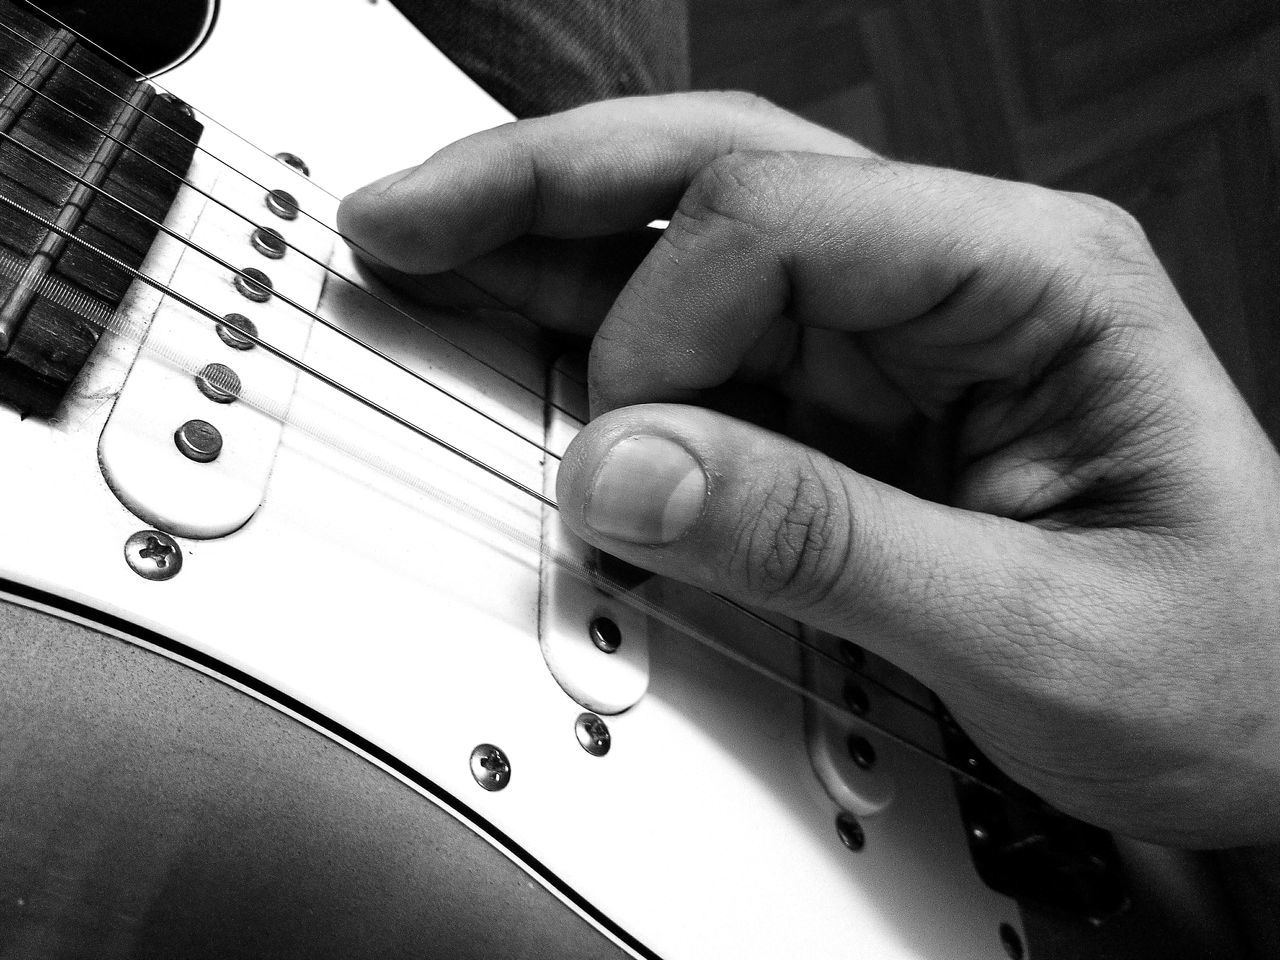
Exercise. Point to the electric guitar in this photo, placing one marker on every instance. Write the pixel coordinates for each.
(297, 659)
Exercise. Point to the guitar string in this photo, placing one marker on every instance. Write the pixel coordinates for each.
(415, 320)
(738, 607)
(495, 301)
(420, 431)
(726, 600)
(323, 264)
(240, 272)
(315, 317)
(120, 325)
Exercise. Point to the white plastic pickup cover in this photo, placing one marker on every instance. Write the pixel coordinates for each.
(139, 458)
(607, 683)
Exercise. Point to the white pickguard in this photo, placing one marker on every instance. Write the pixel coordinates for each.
(704, 833)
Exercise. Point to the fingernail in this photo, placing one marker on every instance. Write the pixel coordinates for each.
(648, 490)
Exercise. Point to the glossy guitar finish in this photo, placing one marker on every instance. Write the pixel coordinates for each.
(388, 593)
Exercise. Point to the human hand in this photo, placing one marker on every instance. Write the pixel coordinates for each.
(1040, 492)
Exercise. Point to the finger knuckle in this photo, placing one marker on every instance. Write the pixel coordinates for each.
(1110, 232)
(734, 187)
(793, 539)
(744, 101)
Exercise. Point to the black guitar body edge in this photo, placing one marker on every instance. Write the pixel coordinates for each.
(151, 36)
(149, 811)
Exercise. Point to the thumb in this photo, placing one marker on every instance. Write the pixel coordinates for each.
(742, 511)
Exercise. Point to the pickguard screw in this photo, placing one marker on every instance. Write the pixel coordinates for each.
(153, 555)
(198, 440)
(229, 331)
(219, 383)
(605, 634)
(490, 767)
(294, 161)
(282, 203)
(850, 832)
(1011, 942)
(253, 285)
(593, 734)
(862, 752)
(269, 243)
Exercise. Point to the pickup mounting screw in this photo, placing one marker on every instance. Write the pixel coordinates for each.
(593, 734)
(605, 634)
(490, 767)
(153, 555)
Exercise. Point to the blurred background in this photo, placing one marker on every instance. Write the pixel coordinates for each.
(1170, 108)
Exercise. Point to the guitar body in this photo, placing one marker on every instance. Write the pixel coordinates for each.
(277, 742)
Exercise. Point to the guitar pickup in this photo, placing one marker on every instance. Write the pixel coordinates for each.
(191, 440)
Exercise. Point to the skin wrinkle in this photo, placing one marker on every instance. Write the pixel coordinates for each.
(1122, 641)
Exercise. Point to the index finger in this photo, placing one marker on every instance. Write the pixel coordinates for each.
(599, 169)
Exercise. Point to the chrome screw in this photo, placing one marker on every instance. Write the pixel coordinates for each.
(294, 161)
(282, 203)
(231, 326)
(605, 634)
(490, 767)
(219, 383)
(153, 555)
(198, 440)
(593, 734)
(253, 285)
(269, 243)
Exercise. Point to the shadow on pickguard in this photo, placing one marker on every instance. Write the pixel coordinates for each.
(151, 36)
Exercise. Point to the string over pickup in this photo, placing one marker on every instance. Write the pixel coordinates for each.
(193, 370)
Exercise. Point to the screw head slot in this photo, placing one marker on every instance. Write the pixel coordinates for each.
(593, 733)
(153, 555)
(605, 635)
(490, 767)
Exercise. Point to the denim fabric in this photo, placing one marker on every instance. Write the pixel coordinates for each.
(539, 56)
